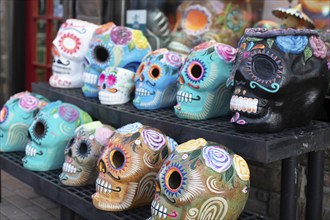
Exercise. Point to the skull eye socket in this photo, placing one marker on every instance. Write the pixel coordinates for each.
(196, 71)
(40, 129)
(101, 167)
(173, 179)
(155, 72)
(3, 114)
(101, 54)
(83, 148)
(264, 66)
(117, 159)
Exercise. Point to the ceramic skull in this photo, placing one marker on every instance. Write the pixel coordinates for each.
(280, 78)
(112, 46)
(15, 118)
(69, 49)
(128, 167)
(201, 180)
(202, 92)
(115, 86)
(50, 131)
(82, 152)
(199, 21)
(155, 80)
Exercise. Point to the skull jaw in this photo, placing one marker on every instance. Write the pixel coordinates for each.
(118, 98)
(67, 76)
(161, 209)
(161, 99)
(77, 179)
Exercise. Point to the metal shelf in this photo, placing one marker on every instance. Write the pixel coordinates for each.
(264, 148)
(77, 199)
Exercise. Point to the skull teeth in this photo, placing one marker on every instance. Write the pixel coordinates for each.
(184, 96)
(30, 151)
(142, 92)
(158, 210)
(243, 104)
(69, 168)
(103, 186)
(90, 78)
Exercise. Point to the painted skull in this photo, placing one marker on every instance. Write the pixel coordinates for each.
(69, 49)
(203, 93)
(201, 180)
(199, 21)
(50, 131)
(280, 78)
(112, 46)
(155, 80)
(115, 86)
(82, 152)
(15, 118)
(128, 167)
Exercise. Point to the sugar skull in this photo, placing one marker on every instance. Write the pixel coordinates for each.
(115, 86)
(50, 131)
(201, 180)
(69, 49)
(203, 93)
(128, 167)
(280, 78)
(112, 46)
(199, 21)
(15, 118)
(82, 152)
(155, 80)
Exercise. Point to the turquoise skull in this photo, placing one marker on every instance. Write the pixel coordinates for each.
(203, 93)
(15, 118)
(155, 80)
(50, 131)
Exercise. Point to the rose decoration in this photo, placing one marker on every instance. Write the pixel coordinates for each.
(68, 113)
(3, 114)
(172, 144)
(173, 59)
(159, 51)
(102, 135)
(140, 40)
(104, 28)
(130, 128)
(19, 95)
(216, 158)
(191, 145)
(121, 35)
(28, 103)
(318, 47)
(153, 139)
(292, 44)
(226, 52)
(241, 167)
(205, 45)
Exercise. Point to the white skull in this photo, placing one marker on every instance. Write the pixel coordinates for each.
(115, 86)
(69, 49)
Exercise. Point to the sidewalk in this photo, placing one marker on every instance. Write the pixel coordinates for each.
(20, 201)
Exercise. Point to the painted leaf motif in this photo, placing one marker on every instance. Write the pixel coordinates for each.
(308, 53)
(210, 50)
(270, 42)
(160, 57)
(78, 122)
(135, 136)
(254, 39)
(131, 46)
(195, 154)
(193, 165)
(229, 173)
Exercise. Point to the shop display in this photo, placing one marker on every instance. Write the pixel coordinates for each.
(203, 93)
(69, 49)
(156, 80)
(112, 46)
(201, 180)
(293, 17)
(280, 78)
(128, 167)
(15, 118)
(82, 152)
(115, 86)
(50, 132)
(199, 21)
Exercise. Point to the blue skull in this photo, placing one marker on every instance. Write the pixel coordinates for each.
(155, 80)
(50, 131)
(15, 118)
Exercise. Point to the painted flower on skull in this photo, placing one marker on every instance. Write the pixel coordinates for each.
(241, 167)
(226, 52)
(318, 47)
(3, 114)
(153, 139)
(68, 113)
(217, 158)
(120, 35)
(292, 44)
(205, 45)
(172, 59)
(28, 103)
(130, 128)
(191, 145)
(140, 40)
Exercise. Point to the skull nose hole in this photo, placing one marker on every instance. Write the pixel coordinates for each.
(175, 180)
(70, 153)
(264, 66)
(101, 54)
(104, 86)
(39, 129)
(83, 148)
(117, 159)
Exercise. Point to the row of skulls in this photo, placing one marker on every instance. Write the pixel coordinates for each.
(131, 166)
(268, 70)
